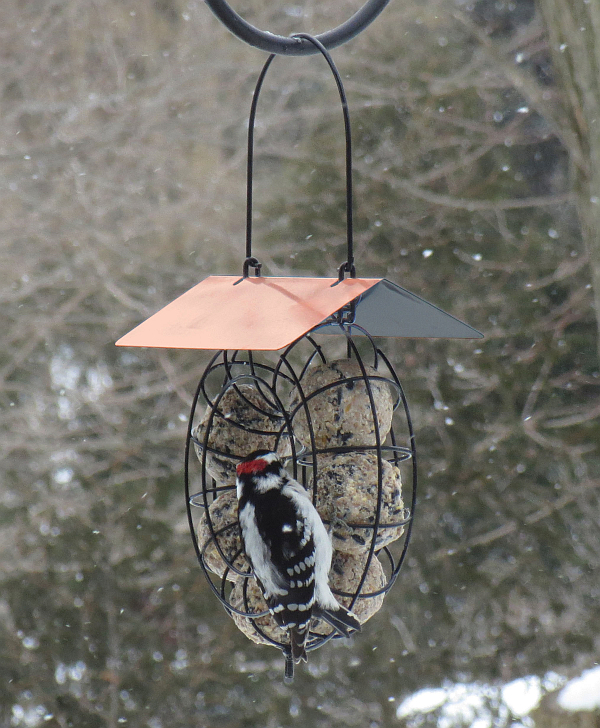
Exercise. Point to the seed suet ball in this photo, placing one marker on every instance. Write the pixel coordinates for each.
(254, 603)
(347, 485)
(226, 533)
(243, 422)
(341, 414)
(345, 575)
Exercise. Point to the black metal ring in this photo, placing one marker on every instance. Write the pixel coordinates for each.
(285, 46)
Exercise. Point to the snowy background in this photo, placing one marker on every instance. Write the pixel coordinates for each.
(122, 147)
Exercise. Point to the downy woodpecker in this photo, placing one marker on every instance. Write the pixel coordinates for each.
(289, 549)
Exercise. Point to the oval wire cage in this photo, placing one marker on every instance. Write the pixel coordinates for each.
(256, 403)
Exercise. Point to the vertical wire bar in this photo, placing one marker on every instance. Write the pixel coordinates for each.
(250, 167)
(349, 194)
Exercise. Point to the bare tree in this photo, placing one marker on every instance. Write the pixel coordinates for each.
(574, 37)
(122, 147)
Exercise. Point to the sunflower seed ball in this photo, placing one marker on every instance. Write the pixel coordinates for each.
(255, 604)
(341, 414)
(345, 575)
(224, 519)
(347, 500)
(242, 423)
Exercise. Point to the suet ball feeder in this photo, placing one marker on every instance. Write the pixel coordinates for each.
(297, 370)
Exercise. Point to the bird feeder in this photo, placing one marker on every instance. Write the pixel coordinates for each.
(299, 370)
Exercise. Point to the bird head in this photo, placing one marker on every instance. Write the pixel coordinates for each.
(260, 470)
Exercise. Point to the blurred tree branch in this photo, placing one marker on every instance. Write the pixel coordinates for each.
(574, 37)
(511, 527)
(122, 152)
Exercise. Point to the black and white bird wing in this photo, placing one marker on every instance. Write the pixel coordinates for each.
(325, 605)
(279, 543)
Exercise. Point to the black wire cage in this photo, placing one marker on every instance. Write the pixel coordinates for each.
(343, 426)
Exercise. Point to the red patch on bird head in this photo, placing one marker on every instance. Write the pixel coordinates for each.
(252, 466)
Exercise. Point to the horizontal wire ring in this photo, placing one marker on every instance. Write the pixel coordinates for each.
(282, 45)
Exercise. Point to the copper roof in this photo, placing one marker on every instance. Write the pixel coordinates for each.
(265, 313)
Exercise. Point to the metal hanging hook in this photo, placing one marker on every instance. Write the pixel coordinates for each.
(295, 45)
(348, 265)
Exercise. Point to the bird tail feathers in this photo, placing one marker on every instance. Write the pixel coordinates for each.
(298, 636)
(340, 618)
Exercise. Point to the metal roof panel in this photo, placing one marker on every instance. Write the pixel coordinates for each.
(260, 313)
(266, 313)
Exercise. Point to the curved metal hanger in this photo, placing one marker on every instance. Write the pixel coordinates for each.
(250, 261)
(295, 45)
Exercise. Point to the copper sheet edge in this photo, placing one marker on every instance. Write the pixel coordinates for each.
(263, 313)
